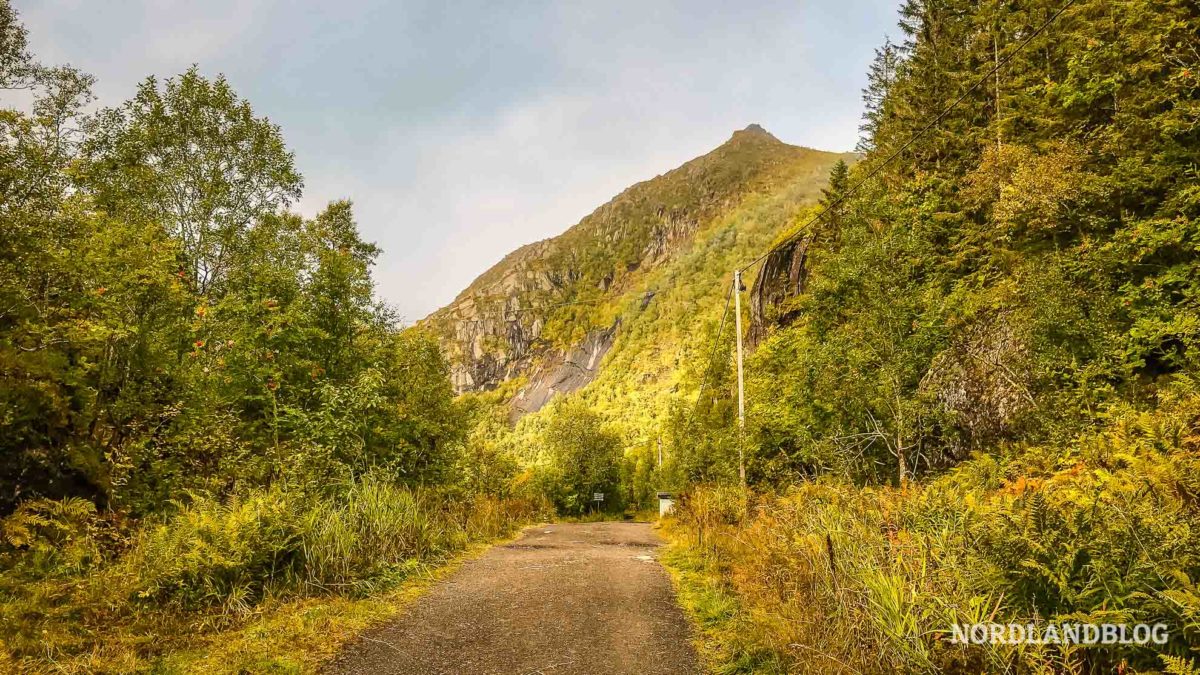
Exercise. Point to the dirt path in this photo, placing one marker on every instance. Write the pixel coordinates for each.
(570, 598)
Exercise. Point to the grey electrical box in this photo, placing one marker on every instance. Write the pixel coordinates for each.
(666, 503)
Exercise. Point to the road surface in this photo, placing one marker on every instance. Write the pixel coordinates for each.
(561, 599)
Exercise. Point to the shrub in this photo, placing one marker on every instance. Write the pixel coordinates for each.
(226, 553)
(870, 579)
(67, 589)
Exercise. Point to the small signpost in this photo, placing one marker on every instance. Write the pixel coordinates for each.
(597, 496)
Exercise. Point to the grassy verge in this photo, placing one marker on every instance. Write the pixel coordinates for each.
(726, 636)
(300, 635)
(271, 581)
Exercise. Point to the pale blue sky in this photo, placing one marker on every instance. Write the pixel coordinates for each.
(462, 130)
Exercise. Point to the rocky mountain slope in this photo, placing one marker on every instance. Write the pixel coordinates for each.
(631, 283)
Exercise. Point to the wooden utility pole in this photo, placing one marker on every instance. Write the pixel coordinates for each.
(737, 324)
(996, 54)
(660, 452)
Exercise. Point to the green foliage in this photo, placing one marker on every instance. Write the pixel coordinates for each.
(583, 458)
(69, 593)
(980, 403)
(193, 158)
(203, 409)
(1018, 270)
(214, 553)
(1176, 665)
(640, 477)
(368, 535)
(1099, 529)
(489, 463)
(1002, 325)
(52, 536)
(168, 326)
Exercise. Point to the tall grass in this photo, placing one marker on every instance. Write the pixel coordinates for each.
(834, 577)
(377, 532)
(72, 600)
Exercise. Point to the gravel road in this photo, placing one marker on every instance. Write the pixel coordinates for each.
(561, 599)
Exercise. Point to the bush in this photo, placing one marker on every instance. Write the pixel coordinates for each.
(870, 579)
(68, 585)
(225, 553)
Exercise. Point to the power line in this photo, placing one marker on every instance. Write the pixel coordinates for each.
(933, 123)
(716, 343)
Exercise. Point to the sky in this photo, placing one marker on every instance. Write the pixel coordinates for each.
(462, 130)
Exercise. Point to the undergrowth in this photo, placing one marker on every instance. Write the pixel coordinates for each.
(726, 637)
(81, 591)
(833, 577)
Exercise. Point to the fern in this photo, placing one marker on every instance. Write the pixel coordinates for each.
(1177, 665)
(46, 523)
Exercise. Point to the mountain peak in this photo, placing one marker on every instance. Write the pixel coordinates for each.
(754, 132)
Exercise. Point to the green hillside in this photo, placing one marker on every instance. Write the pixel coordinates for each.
(981, 405)
(647, 271)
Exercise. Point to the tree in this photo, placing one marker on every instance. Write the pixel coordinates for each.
(35, 147)
(192, 156)
(880, 77)
(16, 63)
(584, 456)
(340, 301)
(832, 198)
(640, 476)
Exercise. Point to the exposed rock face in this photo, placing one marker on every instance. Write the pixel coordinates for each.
(565, 373)
(667, 233)
(491, 336)
(982, 381)
(782, 276)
